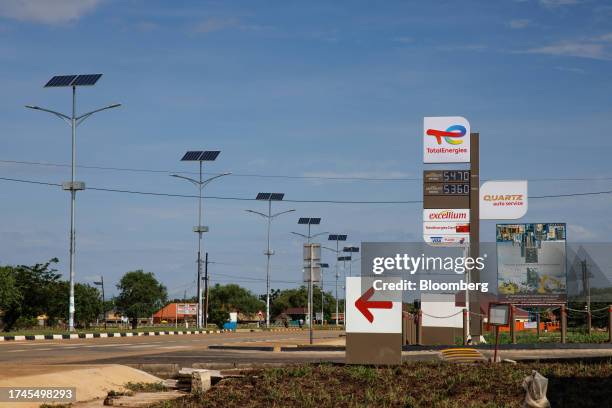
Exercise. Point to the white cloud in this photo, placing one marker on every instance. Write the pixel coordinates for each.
(580, 233)
(558, 3)
(519, 23)
(584, 49)
(218, 24)
(571, 69)
(47, 11)
(214, 24)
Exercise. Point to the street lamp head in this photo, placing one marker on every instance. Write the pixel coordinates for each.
(32, 107)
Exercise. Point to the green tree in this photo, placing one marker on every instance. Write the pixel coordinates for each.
(10, 296)
(87, 302)
(287, 298)
(140, 295)
(36, 287)
(231, 298)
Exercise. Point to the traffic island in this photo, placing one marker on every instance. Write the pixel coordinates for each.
(416, 384)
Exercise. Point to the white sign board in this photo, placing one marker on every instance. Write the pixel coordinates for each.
(503, 200)
(446, 140)
(369, 310)
(440, 310)
(446, 227)
(499, 315)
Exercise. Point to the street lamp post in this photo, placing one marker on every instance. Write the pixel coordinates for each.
(269, 197)
(337, 238)
(309, 221)
(344, 259)
(200, 156)
(349, 250)
(322, 266)
(73, 186)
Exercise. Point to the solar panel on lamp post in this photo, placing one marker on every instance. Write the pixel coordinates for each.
(351, 249)
(73, 81)
(269, 197)
(337, 238)
(200, 156)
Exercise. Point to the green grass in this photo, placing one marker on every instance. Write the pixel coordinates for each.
(415, 384)
(551, 337)
(145, 387)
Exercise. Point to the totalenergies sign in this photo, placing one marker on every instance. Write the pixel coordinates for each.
(503, 200)
(446, 140)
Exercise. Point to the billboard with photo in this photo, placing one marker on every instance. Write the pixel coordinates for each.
(531, 263)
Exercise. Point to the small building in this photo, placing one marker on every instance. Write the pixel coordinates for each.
(176, 312)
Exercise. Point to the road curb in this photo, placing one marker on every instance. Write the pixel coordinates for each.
(104, 335)
(71, 336)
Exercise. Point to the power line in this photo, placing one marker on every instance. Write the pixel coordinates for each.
(322, 201)
(278, 176)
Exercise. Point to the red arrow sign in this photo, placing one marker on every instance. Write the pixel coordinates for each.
(364, 305)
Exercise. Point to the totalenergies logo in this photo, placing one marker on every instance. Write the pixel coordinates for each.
(452, 134)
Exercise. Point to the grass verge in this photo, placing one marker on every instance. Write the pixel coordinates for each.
(415, 384)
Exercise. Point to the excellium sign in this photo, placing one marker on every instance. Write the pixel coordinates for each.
(446, 227)
(446, 140)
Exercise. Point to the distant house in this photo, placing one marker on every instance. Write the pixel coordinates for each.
(176, 312)
(295, 313)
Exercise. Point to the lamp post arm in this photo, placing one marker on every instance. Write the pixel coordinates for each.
(298, 234)
(205, 182)
(319, 234)
(257, 212)
(81, 119)
(60, 115)
(281, 213)
(194, 181)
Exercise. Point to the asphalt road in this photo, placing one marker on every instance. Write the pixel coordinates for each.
(184, 350)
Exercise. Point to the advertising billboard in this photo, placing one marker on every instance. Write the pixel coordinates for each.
(531, 263)
(503, 200)
(446, 140)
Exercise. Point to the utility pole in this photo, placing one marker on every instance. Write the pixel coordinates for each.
(73, 186)
(206, 291)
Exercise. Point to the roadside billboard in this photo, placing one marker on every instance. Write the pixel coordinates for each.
(446, 139)
(531, 263)
(503, 200)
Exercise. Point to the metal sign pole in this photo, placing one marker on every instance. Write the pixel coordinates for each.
(310, 305)
(475, 324)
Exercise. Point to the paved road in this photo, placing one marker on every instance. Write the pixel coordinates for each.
(183, 350)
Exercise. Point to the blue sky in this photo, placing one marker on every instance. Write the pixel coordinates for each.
(328, 89)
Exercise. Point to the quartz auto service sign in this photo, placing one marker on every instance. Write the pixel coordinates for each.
(503, 200)
(446, 140)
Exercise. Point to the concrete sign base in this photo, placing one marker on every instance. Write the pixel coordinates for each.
(374, 348)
